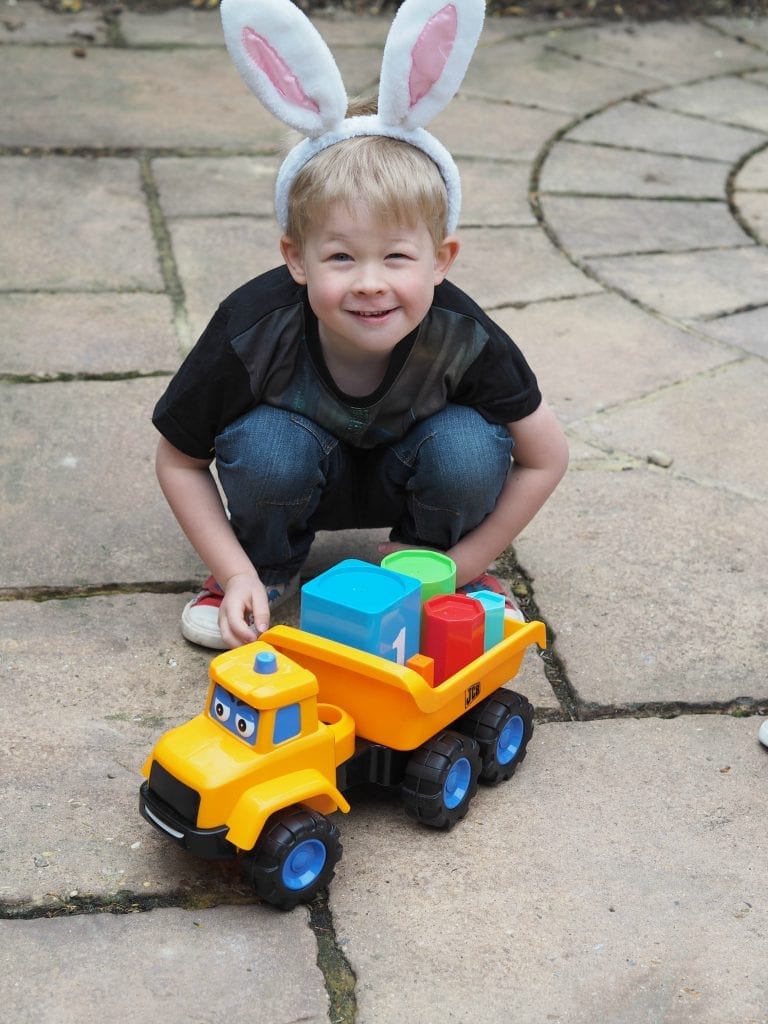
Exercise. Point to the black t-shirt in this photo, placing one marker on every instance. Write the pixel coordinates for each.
(262, 346)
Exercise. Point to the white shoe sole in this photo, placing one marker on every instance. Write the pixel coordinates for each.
(762, 734)
(206, 634)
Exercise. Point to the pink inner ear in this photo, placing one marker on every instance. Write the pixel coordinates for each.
(266, 57)
(431, 51)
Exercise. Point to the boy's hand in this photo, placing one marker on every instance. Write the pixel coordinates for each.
(466, 568)
(244, 612)
(390, 546)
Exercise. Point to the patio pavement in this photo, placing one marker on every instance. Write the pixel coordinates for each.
(616, 224)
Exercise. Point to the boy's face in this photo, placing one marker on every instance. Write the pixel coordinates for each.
(368, 283)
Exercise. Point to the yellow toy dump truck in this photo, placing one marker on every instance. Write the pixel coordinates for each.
(294, 720)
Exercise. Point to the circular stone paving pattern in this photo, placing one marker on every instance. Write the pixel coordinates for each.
(663, 197)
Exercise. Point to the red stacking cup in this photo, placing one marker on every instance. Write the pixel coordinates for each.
(453, 631)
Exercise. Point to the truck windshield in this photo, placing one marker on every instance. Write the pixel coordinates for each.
(234, 714)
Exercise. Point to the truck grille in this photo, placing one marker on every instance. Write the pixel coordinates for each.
(182, 799)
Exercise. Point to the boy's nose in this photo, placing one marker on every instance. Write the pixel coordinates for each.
(368, 279)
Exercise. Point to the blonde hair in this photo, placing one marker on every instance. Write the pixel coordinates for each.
(395, 181)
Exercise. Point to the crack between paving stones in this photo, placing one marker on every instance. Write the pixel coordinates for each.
(739, 707)
(66, 592)
(122, 902)
(554, 667)
(337, 972)
(133, 152)
(738, 36)
(618, 147)
(730, 193)
(750, 307)
(168, 268)
(67, 378)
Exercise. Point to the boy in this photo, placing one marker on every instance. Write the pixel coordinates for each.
(351, 387)
(363, 329)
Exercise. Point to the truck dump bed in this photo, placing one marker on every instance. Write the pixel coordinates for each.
(392, 704)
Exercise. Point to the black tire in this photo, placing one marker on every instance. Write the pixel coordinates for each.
(502, 725)
(294, 857)
(441, 779)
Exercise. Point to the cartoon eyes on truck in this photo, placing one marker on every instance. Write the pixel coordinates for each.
(234, 714)
(243, 721)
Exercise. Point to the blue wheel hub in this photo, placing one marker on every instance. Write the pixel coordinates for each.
(303, 864)
(457, 783)
(510, 739)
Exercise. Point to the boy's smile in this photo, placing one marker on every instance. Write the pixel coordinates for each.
(369, 284)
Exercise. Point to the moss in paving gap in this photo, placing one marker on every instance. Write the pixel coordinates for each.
(339, 976)
(740, 707)
(121, 902)
(554, 668)
(75, 593)
(162, 237)
(111, 20)
(65, 377)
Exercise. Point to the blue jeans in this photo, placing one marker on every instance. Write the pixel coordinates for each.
(285, 477)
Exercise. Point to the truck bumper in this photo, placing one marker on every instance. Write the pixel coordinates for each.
(210, 843)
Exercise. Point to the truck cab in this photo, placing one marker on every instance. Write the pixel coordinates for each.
(262, 743)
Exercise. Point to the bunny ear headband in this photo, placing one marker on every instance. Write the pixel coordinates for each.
(286, 63)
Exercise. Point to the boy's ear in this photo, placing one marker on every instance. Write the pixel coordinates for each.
(294, 259)
(446, 253)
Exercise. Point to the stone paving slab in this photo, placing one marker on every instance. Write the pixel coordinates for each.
(731, 100)
(178, 27)
(747, 330)
(640, 126)
(533, 74)
(711, 437)
(592, 170)
(80, 503)
(105, 333)
(216, 186)
(243, 247)
(754, 173)
(495, 194)
(164, 967)
(753, 210)
(653, 584)
(751, 30)
(114, 672)
(515, 132)
(211, 108)
(615, 878)
(632, 354)
(690, 285)
(53, 212)
(28, 23)
(656, 50)
(596, 226)
(531, 269)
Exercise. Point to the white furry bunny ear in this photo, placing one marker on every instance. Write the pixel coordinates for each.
(286, 63)
(428, 50)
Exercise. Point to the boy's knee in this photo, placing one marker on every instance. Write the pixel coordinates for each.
(465, 447)
(280, 450)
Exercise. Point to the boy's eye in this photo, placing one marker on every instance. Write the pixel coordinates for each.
(340, 257)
